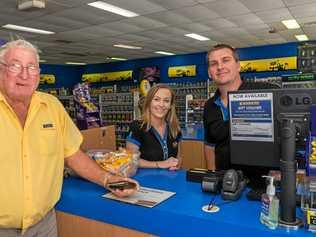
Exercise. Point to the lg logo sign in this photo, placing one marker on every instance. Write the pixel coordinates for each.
(297, 100)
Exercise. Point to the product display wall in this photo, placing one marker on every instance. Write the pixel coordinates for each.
(68, 76)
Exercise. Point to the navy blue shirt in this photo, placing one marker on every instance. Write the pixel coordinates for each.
(216, 124)
(151, 145)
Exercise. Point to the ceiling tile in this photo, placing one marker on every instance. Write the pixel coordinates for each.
(262, 5)
(141, 7)
(196, 13)
(303, 10)
(243, 20)
(297, 2)
(273, 15)
(174, 4)
(227, 7)
(169, 17)
(220, 23)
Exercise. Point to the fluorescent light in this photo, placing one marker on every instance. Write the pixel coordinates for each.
(125, 46)
(197, 37)
(114, 9)
(118, 59)
(291, 24)
(28, 29)
(301, 37)
(75, 63)
(42, 61)
(164, 53)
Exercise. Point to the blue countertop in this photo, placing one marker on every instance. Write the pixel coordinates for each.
(180, 215)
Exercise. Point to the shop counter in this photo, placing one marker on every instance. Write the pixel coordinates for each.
(180, 215)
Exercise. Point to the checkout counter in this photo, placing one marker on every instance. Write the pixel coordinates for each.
(82, 211)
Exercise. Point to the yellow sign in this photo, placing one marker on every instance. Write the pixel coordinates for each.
(182, 71)
(47, 79)
(107, 76)
(274, 64)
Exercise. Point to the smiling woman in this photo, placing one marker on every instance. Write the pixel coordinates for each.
(158, 134)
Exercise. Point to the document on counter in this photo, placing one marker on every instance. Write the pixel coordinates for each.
(147, 197)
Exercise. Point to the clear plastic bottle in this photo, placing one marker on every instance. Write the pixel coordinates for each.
(269, 215)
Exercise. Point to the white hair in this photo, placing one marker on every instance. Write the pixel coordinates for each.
(18, 43)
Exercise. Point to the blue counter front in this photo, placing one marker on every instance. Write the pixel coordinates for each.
(180, 215)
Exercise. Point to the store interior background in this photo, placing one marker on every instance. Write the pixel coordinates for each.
(67, 76)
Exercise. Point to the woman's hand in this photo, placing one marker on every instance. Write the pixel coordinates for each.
(171, 163)
(121, 192)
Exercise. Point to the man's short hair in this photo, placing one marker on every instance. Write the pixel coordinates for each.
(18, 43)
(223, 46)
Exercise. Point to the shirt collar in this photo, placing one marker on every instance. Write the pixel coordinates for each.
(36, 98)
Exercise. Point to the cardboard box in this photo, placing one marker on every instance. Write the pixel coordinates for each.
(99, 138)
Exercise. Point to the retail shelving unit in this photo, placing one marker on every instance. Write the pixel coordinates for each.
(195, 108)
(69, 104)
(307, 58)
(198, 90)
(119, 109)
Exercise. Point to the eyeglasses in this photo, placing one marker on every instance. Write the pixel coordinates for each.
(17, 68)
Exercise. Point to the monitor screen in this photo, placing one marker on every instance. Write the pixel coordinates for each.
(255, 123)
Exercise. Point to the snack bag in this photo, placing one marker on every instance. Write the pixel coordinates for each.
(122, 162)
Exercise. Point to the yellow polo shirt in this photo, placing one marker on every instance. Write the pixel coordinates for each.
(32, 159)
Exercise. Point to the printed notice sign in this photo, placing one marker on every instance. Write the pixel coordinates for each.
(251, 116)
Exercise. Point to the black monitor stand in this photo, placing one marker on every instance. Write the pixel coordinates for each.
(288, 176)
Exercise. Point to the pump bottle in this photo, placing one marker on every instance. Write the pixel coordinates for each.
(269, 215)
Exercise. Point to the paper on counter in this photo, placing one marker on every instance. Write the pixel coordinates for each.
(147, 197)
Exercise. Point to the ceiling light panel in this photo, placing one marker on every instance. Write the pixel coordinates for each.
(114, 9)
(291, 24)
(164, 53)
(125, 46)
(197, 37)
(75, 63)
(301, 37)
(27, 29)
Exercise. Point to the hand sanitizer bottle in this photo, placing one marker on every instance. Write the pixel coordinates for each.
(269, 215)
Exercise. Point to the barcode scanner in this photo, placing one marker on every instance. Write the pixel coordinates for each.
(233, 185)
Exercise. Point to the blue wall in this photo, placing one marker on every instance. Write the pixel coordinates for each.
(68, 76)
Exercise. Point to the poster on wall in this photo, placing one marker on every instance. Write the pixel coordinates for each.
(47, 79)
(107, 76)
(182, 71)
(152, 74)
(148, 76)
(268, 65)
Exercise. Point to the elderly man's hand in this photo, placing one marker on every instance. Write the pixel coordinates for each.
(121, 192)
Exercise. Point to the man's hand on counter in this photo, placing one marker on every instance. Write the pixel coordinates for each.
(121, 186)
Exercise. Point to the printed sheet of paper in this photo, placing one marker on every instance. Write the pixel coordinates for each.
(147, 197)
(251, 116)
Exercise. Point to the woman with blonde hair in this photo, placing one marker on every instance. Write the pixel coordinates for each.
(157, 134)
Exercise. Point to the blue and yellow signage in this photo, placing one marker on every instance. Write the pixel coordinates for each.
(264, 65)
(107, 76)
(182, 71)
(47, 79)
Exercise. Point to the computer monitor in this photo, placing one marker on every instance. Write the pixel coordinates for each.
(255, 125)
